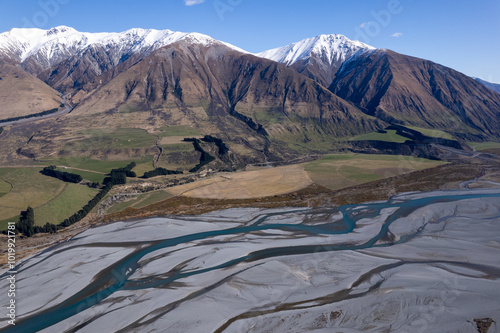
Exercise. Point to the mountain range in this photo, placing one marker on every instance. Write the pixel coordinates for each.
(272, 104)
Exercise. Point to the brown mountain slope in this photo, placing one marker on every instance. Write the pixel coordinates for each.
(262, 110)
(218, 88)
(23, 94)
(82, 71)
(408, 90)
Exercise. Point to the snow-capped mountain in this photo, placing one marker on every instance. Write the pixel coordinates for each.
(69, 60)
(319, 57)
(331, 48)
(149, 69)
(49, 47)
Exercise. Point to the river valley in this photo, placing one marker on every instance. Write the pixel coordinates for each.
(420, 262)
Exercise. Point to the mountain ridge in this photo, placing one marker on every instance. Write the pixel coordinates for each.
(263, 109)
(331, 46)
(318, 57)
(34, 42)
(404, 89)
(67, 59)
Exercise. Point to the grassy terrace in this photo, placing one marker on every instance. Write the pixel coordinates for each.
(390, 136)
(433, 133)
(484, 145)
(184, 131)
(115, 138)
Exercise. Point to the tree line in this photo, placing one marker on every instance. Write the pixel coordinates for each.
(52, 171)
(33, 115)
(119, 176)
(160, 172)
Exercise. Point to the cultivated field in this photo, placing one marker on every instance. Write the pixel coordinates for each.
(248, 184)
(55, 200)
(331, 171)
(339, 171)
(117, 138)
(52, 199)
(178, 131)
(103, 167)
(92, 176)
(71, 200)
(28, 188)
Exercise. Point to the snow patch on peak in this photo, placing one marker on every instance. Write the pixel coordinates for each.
(331, 48)
(60, 30)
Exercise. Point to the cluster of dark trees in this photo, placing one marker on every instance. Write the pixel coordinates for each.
(64, 176)
(34, 115)
(119, 176)
(218, 142)
(26, 223)
(160, 172)
(205, 157)
(126, 170)
(1, 130)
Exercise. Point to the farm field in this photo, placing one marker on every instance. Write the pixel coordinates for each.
(248, 184)
(344, 170)
(178, 131)
(50, 197)
(54, 200)
(28, 188)
(71, 200)
(332, 171)
(86, 163)
(116, 138)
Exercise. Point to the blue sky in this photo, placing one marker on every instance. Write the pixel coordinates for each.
(462, 34)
